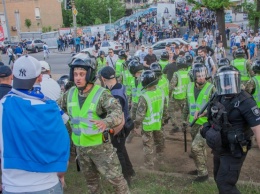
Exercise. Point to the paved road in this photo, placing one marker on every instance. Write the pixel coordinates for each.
(57, 61)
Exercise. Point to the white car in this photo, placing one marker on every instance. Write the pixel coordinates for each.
(159, 47)
(105, 45)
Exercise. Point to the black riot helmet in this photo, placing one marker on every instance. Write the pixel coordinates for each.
(240, 53)
(223, 62)
(156, 68)
(256, 66)
(122, 54)
(126, 63)
(134, 66)
(181, 62)
(201, 70)
(227, 81)
(65, 83)
(101, 53)
(198, 59)
(164, 56)
(148, 79)
(189, 58)
(89, 64)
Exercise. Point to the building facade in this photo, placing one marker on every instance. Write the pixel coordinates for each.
(41, 13)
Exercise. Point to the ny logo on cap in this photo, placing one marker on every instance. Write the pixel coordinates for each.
(22, 73)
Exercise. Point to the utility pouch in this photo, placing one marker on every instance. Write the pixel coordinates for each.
(213, 139)
(105, 136)
(242, 142)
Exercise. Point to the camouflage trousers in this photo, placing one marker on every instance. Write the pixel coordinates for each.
(175, 111)
(151, 140)
(132, 115)
(101, 160)
(72, 146)
(198, 150)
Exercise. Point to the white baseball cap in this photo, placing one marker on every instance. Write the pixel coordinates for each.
(45, 66)
(25, 72)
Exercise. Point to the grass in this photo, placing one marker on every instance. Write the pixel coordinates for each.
(150, 183)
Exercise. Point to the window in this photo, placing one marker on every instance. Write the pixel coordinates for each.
(37, 13)
(159, 46)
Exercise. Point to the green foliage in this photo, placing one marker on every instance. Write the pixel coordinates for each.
(46, 29)
(212, 4)
(91, 12)
(251, 10)
(28, 23)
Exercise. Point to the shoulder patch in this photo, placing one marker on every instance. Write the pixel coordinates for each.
(256, 111)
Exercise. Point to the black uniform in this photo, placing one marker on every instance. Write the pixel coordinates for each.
(118, 140)
(4, 89)
(228, 132)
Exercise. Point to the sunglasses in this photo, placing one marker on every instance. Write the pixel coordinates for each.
(110, 52)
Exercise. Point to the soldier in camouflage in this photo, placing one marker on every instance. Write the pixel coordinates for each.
(198, 94)
(151, 115)
(178, 91)
(92, 111)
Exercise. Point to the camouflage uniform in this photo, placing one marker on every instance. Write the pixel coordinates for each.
(198, 145)
(150, 138)
(102, 159)
(250, 86)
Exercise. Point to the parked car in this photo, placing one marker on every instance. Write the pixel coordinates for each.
(159, 47)
(34, 45)
(105, 45)
(4, 44)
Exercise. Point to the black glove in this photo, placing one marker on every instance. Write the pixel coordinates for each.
(204, 129)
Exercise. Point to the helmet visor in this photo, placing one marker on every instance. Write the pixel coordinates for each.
(200, 72)
(228, 83)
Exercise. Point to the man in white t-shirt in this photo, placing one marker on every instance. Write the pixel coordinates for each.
(111, 58)
(257, 39)
(49, 87)
(220, 52)
(142, 54)
(238, 39)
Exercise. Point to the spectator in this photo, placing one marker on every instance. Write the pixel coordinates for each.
(209, 63)
(111, 58)
(209, 50)
(227, 33)
(6, 78)
(28, 166)
(220, 52)
(245, 48)
(238, 39)
(142, 54)
(18, 51)
(252, 48)
(149, 59)
(10, 54)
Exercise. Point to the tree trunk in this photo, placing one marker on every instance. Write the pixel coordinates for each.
(220, 13)
(256, 26)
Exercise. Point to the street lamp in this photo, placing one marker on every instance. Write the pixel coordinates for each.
(109, 10)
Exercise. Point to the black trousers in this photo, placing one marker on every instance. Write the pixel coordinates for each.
(226, 172)
(119, 143)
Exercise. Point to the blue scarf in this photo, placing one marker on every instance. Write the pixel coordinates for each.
(34, 136)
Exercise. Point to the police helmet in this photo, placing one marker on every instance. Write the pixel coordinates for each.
(101, 53)
(198, 59)
(134, 66)
(89, 64)
(199, 69)
(65, 83)
(181, 62)
(122, 54)
(227, 80)
(240, 53)
(256, 66)
(156, 68)
(189, 58)
(164, 56)
(136, 58)
(148, 79)
(223, 62)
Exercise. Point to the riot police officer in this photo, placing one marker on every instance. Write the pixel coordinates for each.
(119, 63)
(232, 113)
(223, 62)
(101, 60)
(151, 113)
(164, 60)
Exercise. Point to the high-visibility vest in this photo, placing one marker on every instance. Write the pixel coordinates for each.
(240, 64)
(84, 132)
(202, 99)
(163, 63)
(256, 94)
(155, 103)
(119, 67)
(101, 63)
(126, 81)
(163, 84)
(180, 91)
(136, 91)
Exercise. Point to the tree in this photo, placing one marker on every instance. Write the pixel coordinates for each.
(91, 10)
(253, 11)
(219, 7)
(28, 23)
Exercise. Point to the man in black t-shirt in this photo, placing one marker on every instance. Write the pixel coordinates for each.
(210, 51)
(149, 59)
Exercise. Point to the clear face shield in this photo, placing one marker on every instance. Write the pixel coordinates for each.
(228, 83)
(200, 75)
